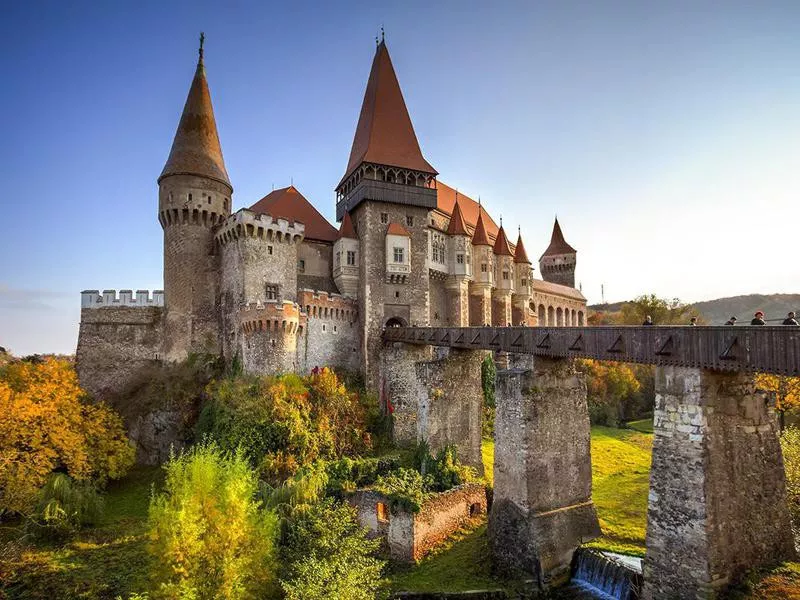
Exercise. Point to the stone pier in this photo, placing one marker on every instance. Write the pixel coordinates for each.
(436, 401)
(717, 504)
(542, 509)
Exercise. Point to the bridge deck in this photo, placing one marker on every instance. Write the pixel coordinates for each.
(765, 349)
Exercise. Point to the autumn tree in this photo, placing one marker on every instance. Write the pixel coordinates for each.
(663, 311)
(46, 423)
(609, 387)
(786, 390)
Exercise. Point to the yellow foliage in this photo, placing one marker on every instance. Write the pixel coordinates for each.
(786, 389)
(45, 424)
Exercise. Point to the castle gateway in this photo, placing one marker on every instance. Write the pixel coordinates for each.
(279, 288)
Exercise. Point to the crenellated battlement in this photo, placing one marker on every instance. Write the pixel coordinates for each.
(142, 298)
(246, 223)
(272, 317)
(322, 305)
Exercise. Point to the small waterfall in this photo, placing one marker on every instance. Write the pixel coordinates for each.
(604, 577)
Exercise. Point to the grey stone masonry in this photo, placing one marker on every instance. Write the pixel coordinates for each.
(717, 503)
(542, 510)
(436, 401)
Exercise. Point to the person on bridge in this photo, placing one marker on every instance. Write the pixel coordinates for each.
(731, 321)
(693, 321)
(790, 320)
(758, 318)
(648, 320)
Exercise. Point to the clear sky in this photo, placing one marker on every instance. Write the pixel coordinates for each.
(663, 134)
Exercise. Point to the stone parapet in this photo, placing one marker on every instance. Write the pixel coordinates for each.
(246, 223)
(284, 317)
(142, 298)
(322, 305)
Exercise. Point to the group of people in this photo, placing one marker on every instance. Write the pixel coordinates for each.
(758, 319)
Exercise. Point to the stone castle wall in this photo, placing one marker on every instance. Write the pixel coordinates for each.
(331, 337)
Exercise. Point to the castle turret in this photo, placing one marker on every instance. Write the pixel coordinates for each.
(557, 264)
(345, 259)
(480, 289)
(194, 197)
(388, 188)
(460, 266)
(522, 286)
(504, 279)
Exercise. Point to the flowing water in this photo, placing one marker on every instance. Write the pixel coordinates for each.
(603, 576)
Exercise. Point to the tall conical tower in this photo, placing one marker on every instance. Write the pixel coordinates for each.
(388, 188)
(194, 196)
(557, 264)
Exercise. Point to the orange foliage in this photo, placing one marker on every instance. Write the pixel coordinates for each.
(46, 424)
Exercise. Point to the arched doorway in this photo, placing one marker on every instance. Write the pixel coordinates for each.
(396, 322)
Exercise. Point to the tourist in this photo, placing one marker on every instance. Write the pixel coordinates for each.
(731, 321)
(693, 321)
(758, 318)
(790, 320)
(648, 320)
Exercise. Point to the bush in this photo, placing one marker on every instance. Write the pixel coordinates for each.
(327, 555)
(210, 536)
(790, 444)
(406, 489)
(49, 424)
(65, 506)
(488, 379)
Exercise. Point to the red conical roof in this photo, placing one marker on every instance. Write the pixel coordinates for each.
(457, 225)
(520, 256)
(558, 244)
(196, 149)
(385, 134)
(288, 203)
(479, 238)
(501, 244)
(347, 230)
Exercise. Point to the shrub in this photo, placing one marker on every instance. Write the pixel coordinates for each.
(790, 444)
(65, 505)
(211, 537)
(49, 424)
(488, 378)
(327, 555)
(406, 489)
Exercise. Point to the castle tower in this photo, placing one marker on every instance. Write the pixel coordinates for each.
(460, 261)
(194, 196)
(522, 285)
(504, 279)
(387, 186)
(557, 264)
(480, 290)
(346, 258)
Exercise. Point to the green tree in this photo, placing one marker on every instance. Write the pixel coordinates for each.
(208, 534)
(662, 310)
(327, 555)
(488, 378)
(790, 444)
(609, 386)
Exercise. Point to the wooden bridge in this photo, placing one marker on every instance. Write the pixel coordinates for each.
(750, 349)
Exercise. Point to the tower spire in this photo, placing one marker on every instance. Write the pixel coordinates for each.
(200, 51)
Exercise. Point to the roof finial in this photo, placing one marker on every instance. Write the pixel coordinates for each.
(501, 220)
(519, 230)
(202, 41)
(383, 34)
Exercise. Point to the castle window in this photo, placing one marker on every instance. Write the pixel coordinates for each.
(397, 294)
(381, 513)
(483, 268)
(460, 258)
(269, 250)
(505, 275)
(301, 265)
(323, 327)
(399, 255)
(409, 220)
(271, 291)
(209, 199)
(524, 282)
(190, 197)
(351, 257)
(384, 218)
(334, 329)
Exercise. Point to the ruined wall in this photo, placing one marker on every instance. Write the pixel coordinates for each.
(717, 486)
(117, 340)
(542, 509)
(331, 337)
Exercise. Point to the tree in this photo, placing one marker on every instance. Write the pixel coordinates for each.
(663, 311)
(609, 386)
(47, 424)
(209, 535)
(786, 390)
(790, 445)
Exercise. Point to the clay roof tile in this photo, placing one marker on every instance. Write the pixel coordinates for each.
(288, 203)
(520, 256)
(479, 238)
(397, 229)
(558, 245)
(457, 225)
(501, 244)
(347, 230)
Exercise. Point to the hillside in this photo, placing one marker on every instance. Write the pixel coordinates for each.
(716, 312)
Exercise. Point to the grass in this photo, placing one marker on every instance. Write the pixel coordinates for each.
(642, 425)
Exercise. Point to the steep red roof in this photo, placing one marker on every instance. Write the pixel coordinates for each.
(457, 225)
(196, 149)
(397, 229)
(446, 201)
(347, 230)
(288, 203)
(501, 244)
(520, 256)
(479, 238)
(385, 134)
(558, 244)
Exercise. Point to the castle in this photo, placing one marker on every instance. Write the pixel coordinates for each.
(278, 288)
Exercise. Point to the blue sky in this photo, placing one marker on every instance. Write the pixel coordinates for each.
(663, 134)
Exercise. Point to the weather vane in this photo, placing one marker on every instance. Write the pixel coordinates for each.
(202, 41)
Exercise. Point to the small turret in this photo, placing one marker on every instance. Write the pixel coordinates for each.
(345, 259)
(483, 263)
(460, 258)
(522, 286)
(504, 261)
(557, 264)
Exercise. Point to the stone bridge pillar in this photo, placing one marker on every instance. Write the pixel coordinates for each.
(717, 503)
(542, 509)
(436, 401)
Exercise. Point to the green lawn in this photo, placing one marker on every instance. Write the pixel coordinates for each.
(642, 425)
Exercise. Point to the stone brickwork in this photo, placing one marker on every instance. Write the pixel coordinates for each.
(331, 337)
(410, 536)
(269, 337)
(114, 344)
(717, 504)
(438, 401)
(439, 313)
(542, 510)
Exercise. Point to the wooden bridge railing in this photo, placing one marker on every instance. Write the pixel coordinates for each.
(764, 349)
